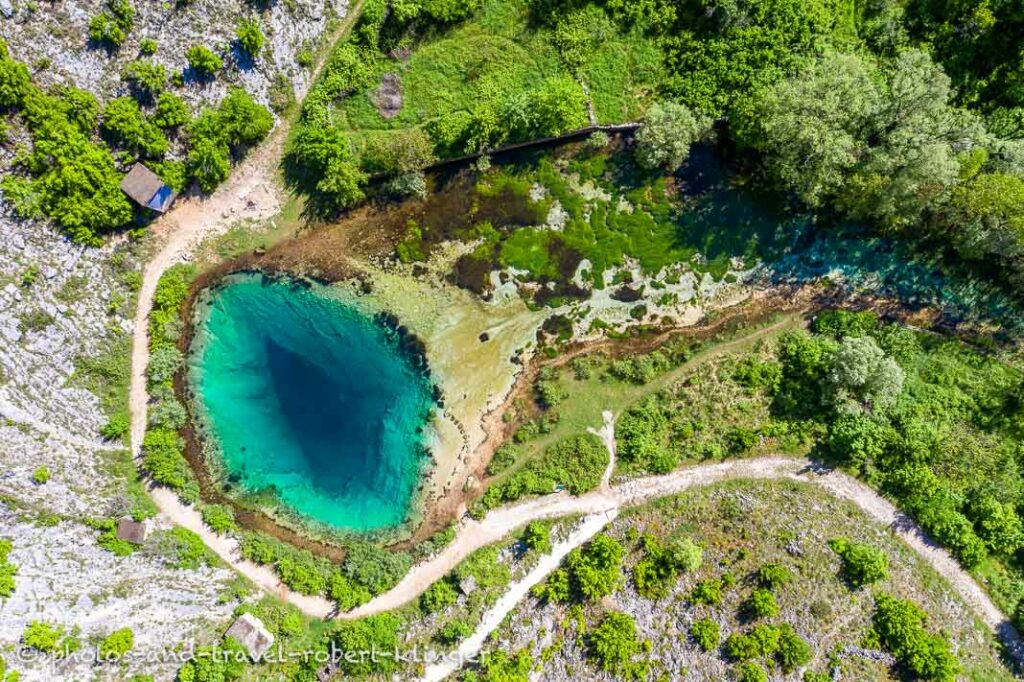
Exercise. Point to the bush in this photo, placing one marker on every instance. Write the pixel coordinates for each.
(751, 672)
(115, 645)
(7, 570)
(147, 78)
(41, 475)
(49, 639)
(345, 592)
(862, 564)
(126, 127)
(147, 46)
(215, 663)
(220, 518)
(794, 651)
(596, 569)
(899, 625)
(376, 568)
(773, 576)
(706, 633)
(576, 464)
(238, 120)
(164, 362)
(378, 633)
(454, 631)
(668, 131)
(68, 177)
(655, 573)
(184, 548)
(250, 36)
(761, 641)
(170, 112)
(162, 457)
(761, 604)
(614, 642)
(708, 592)
(14, 79)
(112, 26)
(439, 596)
(537, 536)
(203, 61)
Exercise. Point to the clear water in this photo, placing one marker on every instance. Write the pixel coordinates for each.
(311, 398)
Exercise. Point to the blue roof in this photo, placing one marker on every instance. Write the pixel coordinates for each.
(161, 199)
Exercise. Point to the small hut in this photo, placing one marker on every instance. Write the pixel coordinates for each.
(146, 189)
(133, 531)
(250, 632)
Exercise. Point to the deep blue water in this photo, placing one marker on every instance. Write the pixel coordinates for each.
(313, 399)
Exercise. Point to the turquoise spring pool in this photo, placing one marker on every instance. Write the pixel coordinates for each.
(310, 399)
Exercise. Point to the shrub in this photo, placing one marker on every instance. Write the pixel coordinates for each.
(556, 588)
(115, 645)
(204, 61)
(250, 36)
(595, 569)
(655, 573)
(238, 120)
(125, 125)
(164, 362)
(666, 135)
(161, 455)
(14, 79)
(537, 536)
(439, 596)
(376, 568)
(761, 641)
(613, 643)
(862, 564)
(148, 47)
(761, 604)
(111, 27)
(184, 548)
(347, 593)
(7, 570)
(454, 631)
(751, 672)
(49, 639)
(220, 518)
(69, 178)
(899, 625)
(706, 633)
(708, 592)
(794, 651)
(146, 77)
(841, 323)
(773, 576)
(41, 475)
(171, 111)
(378, 633)
(215, 663)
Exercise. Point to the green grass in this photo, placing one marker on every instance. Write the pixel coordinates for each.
(622, 75)
(590, 395)
(484, 59)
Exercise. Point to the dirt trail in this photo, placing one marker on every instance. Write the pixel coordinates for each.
(646, 489)
(252, 192)
(517, 591)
